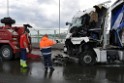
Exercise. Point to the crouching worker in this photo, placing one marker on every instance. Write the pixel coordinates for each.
(24, 49)
(45, 47)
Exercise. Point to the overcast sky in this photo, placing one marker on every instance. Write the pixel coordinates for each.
(44, 13)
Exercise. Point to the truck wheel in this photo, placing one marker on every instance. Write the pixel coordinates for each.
(87, 58)
(6, 52)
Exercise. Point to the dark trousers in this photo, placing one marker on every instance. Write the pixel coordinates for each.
(23, 54)
(47, 61)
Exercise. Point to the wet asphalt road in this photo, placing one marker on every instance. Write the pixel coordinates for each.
(11, 72)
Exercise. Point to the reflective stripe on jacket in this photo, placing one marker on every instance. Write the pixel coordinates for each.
(46, 51)
(45, 45)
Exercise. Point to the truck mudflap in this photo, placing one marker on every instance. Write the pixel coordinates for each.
(109, 56)
(101, 55)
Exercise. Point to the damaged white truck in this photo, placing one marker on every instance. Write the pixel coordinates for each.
(97, 34)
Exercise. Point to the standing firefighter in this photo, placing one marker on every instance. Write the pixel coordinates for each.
(24, 41)
(45, 47)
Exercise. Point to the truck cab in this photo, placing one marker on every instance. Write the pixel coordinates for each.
(96, 34)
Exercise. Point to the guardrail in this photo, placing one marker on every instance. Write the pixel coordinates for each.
(56, 46)
(35, 39)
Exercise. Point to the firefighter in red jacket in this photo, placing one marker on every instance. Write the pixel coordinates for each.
(24, 41)
(45, 47)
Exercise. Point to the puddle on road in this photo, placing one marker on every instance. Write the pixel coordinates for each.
(72, 73)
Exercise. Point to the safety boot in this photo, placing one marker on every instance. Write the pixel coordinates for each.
(52, 69)
(23, 63)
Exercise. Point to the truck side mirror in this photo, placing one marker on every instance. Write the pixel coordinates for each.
(67, 23)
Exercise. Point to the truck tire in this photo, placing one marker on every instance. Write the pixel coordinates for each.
(6, 52)
(87, 58)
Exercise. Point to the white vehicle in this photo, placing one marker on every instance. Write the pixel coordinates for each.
(97, 34)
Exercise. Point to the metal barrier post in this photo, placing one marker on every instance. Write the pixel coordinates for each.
(38, 34)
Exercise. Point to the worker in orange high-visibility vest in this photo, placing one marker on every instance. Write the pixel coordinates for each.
(24, 48)
(45, 47)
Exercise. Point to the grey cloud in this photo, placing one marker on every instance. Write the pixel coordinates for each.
(68, 9)
(45, 1)
(32, 15)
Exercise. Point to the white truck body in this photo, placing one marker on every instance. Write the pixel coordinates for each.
(108, 46)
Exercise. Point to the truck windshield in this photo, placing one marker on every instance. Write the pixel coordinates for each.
(76, 22)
